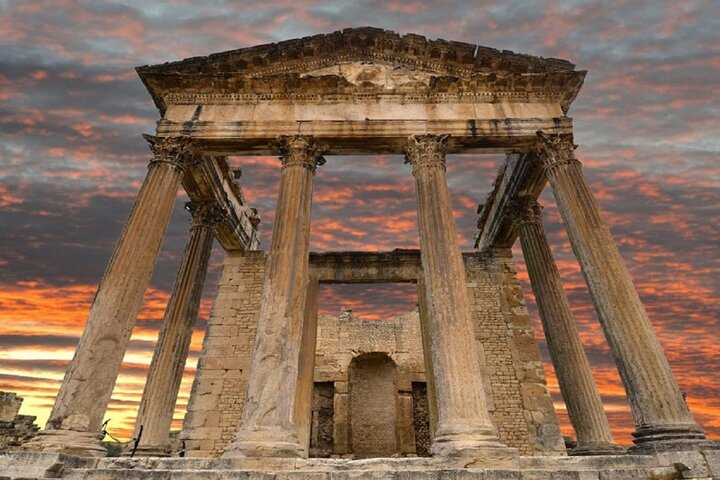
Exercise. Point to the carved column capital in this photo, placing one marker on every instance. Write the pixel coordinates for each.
(525, 209)
(426, 151)
(300, 151)
(555, 150)
(205, 214)
(179, 152)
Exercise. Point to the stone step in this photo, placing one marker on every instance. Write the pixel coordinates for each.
(450, 474)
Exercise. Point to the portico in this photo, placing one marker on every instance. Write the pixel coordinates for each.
(365, 91)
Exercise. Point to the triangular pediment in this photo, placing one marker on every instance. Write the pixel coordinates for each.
(364, 58)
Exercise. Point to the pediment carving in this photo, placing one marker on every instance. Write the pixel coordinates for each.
(397, 77)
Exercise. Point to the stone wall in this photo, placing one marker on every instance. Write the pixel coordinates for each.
(9, 406)
(322, 422)
(518, 399)
(519, 402)
(373, 365)
(373, 406)
(421, 419)
(15, 429)
(218, 391)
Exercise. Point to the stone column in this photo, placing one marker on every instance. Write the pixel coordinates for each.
(662, 419)
(306, 367)
(168, 362)
(463, 426)
(423, 313)
(571, 365)
(269, 427)
(75, 421)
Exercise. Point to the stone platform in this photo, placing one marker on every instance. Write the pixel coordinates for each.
(697, 465)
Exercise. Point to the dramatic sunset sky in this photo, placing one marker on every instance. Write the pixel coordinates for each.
(72, 111)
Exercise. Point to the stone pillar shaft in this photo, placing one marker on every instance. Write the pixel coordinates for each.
(76, 418)
(269, 426)
(423, 307)
(306, 367)
(572, 368)
(168, 362)
(463, 421)
(660, 412)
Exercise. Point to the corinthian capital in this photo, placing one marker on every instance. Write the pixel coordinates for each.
(177, 151)
(554, 150)
(525, 209)
(300, 151)
(426, 151)
(205, 214)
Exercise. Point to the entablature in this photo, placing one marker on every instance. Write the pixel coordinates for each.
(211, 181)
(520, 175)
(357, 137)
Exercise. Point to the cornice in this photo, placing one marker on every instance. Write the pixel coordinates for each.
(279, 66)
(190, 98)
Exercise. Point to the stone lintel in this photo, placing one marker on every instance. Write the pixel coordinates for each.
(397, 266)
(365, 267)
(520, 175)
(365, 136)
(213, 181)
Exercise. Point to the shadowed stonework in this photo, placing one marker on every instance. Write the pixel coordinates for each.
(454, 389)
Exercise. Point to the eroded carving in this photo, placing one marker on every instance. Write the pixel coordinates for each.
(176, 151)
(426, 151)
(525, 209)
(300, 150)
(387, 76)
(205, 214)
(555, 150)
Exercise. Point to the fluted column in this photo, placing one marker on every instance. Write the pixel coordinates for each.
(269, 427)
(463, 422)
(75, 421)
(662, 419)
(168, 363)
(572, 368)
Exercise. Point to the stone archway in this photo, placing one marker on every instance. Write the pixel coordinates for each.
(373, 409)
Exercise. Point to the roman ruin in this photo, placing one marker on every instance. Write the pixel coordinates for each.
(453, 389)
(15, 429)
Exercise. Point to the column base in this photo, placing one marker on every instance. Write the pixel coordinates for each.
(69, 442)
(475, 443)
(589, 449)
(147, 451)
(265, 442)
(665, 438)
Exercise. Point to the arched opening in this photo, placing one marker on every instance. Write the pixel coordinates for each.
(373, 406)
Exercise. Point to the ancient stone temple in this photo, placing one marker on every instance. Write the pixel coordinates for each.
(453, 389)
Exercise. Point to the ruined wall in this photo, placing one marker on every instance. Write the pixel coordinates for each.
(518, 399)
(9, 406)
(15, 429)
(343, 341)
(322, 422)
(519, 402)
(218, 391)
(373, 406)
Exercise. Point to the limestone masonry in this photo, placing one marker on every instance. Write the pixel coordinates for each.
(15, 429)
(453, 389)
